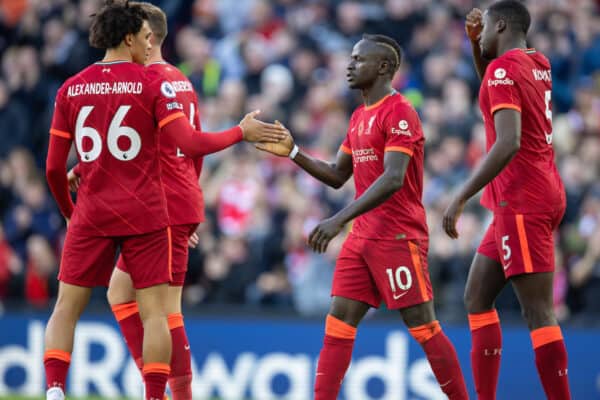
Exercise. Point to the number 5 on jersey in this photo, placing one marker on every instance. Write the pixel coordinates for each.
(115, 131)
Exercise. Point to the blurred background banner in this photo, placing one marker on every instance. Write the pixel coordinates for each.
(274, 358)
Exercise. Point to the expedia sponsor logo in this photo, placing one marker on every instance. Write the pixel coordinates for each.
(498, 82)
(402, 129)
(499, 73)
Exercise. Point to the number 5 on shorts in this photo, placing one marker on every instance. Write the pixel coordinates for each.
(506, 248)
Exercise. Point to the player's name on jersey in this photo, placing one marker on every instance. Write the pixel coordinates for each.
(104, 88)
(542, 75)
(182, 86)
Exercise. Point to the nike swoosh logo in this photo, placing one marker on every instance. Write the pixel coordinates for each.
(446, 384)
(397, 296)
(507, 265)
(187, 347)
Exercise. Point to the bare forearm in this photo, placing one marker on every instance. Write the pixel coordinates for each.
(499, 156)
(321, 170)
(480, 62)
(381, 190)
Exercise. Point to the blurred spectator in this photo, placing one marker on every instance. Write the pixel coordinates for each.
(288, 58)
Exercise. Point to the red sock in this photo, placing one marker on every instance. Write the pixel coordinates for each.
(486, 352)
(155, 380)
(180, 380)
(551, 361)
(442, 358)
(56, 364)
(334, 358)
(132, 329)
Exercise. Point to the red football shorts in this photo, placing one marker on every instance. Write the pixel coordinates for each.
(522, 243)
(180, 234)
(89, 260)
(370, 270)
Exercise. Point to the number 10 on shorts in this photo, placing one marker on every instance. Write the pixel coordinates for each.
(401, 278)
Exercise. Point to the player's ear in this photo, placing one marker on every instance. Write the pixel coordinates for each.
(500, 25)
(385, 67)
(128, 39)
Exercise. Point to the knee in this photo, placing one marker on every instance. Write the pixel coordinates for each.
(67, 310)
(475, 304)
(538, 315)
(119, 294)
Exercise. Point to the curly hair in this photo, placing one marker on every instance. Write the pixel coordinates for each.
(115, 20)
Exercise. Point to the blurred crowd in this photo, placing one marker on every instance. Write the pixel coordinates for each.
(288, 58)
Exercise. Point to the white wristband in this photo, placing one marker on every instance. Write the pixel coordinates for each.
(294, 152)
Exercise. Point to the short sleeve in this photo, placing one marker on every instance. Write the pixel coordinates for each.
(346, 146)
(60, 124)
(166, 106)
(502, 86)
(402, 129)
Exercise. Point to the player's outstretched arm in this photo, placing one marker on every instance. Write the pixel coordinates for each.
(473, 27)
(508, 141)
(332, 174)
(56, 173)
(196, 144)
(392, 179)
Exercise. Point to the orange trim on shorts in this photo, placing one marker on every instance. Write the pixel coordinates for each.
(372, 106)
(170, 118)
(505, 105)
(338, 328)
(170, 250)
(425, 332)
(345, 149)
(125, 310)
(62, 134)
(400, 149)
(545, 335)
(416, 259)
(58, 355)
(524, 244)
(156, 368)
(175, 320)
(480, 320)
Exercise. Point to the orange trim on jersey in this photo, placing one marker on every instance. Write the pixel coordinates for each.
(175, 320)
(156, 368)
(170, 250)
(504, 106)
(401, 149)
(425, 332)
(416, 259)
(59, 133)
(480, 320)
(125, 310)
(345, 149)
(524, 244)
(170, 118)
(58, 355)
(545, 335)
(375, 105)
(338, 328)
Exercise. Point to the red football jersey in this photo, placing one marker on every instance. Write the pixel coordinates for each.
(391, 124)
(521, 80)
(113, 113)
(180, 173)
